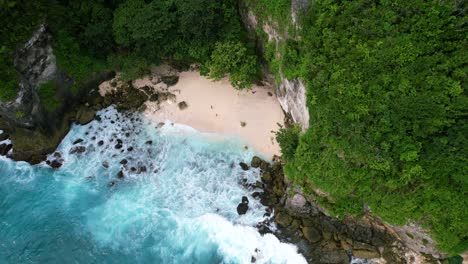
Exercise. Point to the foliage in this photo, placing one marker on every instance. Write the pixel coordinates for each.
(232, 57)
(48, 95)
(288, 140)
(20, 114)
(74, 61)
(18, 23)
(386, 89)
(130, 65)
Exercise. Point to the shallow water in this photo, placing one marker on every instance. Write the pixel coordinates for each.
(178, 205)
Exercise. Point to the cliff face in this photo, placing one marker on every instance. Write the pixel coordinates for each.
(291, 94)
(35, 64)
(33, 130)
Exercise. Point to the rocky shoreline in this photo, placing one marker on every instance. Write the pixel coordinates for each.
(320, 237)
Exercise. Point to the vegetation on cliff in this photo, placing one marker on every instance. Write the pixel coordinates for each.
(128, 35)
(386, 91)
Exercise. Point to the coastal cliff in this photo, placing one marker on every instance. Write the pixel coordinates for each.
(300, 213)
(39, 116)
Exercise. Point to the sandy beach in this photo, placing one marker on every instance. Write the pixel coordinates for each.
(216, 107)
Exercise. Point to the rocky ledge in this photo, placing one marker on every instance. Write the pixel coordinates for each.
(322, 238)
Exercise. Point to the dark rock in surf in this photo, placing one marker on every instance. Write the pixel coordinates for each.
(120, 175)
(244, 166)
(105, 164)
(5, 148)
(77, 150)
(78, 141)
(243, 207)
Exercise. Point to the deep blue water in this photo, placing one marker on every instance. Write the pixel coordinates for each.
(181, 209)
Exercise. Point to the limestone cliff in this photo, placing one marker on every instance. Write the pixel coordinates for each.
(290, 93)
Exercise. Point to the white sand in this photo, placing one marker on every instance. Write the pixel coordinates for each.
(216, 107)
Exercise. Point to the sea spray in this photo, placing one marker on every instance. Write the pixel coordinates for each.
(135, 192)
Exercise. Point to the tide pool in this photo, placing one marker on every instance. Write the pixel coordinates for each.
(176, 201)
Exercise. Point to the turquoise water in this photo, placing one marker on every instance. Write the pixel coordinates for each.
(181, 207)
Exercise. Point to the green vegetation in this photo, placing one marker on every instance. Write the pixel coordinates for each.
(19, 114)
(126, 35)
(232, 57)
(386, 88)
(48, 94)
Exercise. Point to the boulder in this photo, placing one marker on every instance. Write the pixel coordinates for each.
(182, 105)
(4, 148)
(78, 141)
(77, 150)
(120, 175)
(85, 115)
(170, 80)
(256, 161)
(266, 177)
(297, 204)
(311, 234)
(244, 166)
(243, 206)
(283, 219)
(56, 163)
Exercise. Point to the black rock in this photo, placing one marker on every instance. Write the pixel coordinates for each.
(4, 148)
(253, 259)
(4, 135)
(244, 166)
(256, 194)
(120, 175)
(57, 154)
(100, 143)
(78, 150)
(105, 164)
(118, 146)
(130, 149)
(78, 141)
(149, 142)
(124, 161)
(245, 200)
(56, 163)
(242, 208)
